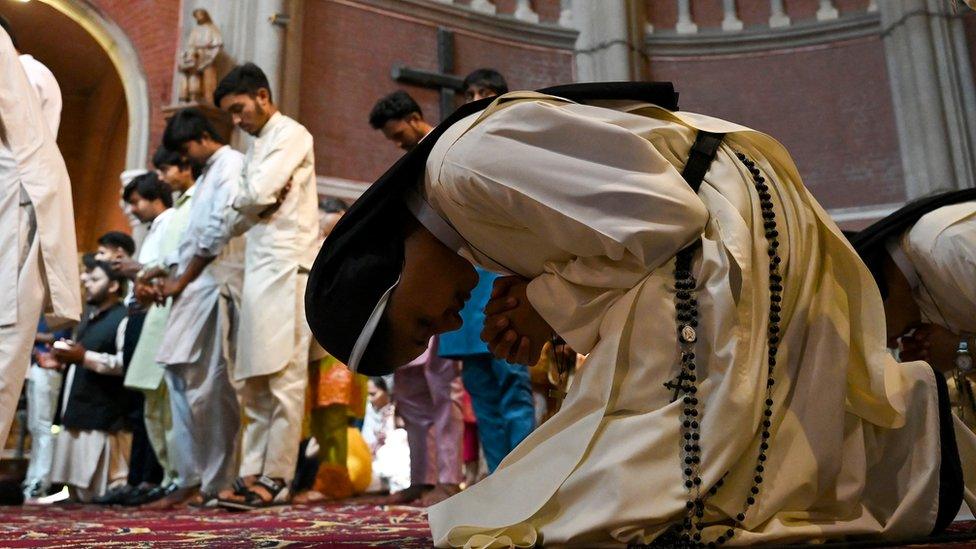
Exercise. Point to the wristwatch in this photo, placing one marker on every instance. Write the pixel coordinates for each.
(964, 360)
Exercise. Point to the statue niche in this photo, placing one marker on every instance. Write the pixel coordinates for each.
(196, 63)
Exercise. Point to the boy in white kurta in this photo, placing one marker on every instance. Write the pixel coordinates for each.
(196, 348)
(795, 423)
(277, 207)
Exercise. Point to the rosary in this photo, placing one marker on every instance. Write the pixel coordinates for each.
(687, 533)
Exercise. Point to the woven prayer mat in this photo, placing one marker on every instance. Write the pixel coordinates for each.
(361, 523)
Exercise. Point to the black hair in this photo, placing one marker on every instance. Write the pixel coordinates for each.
(380, 383)
(395, 106)
(113, 276)
(88, 260)
(149, 187)
(188, 125)
(10, 30)
(168, 157)
(333, 205)
(487, 78)
(247, 78)
(118, 239)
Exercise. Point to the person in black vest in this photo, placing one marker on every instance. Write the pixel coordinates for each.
(91, 453)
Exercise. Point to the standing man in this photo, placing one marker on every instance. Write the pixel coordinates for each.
(144, 373)
(43, 384)
(150, 201)
(400, 119)
(427, 390)
(36, 215)
(195, 348)
(277, 206)
(43, 82)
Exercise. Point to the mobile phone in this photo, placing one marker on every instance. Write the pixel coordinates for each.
(63, 344)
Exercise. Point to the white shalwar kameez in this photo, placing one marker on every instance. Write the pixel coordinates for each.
(589, 204)
(43, 384)
(38, 256)
(195, 348)
(273, 342)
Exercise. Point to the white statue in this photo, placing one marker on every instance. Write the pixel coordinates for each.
(197, 60)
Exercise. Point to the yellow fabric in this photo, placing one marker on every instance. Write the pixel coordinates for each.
(359, 461)
(588, 202)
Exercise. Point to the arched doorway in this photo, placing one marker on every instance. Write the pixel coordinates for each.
(105, 116)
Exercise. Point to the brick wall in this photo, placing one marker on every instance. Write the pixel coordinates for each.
(152, 26)
(347, 55)
(830, 106)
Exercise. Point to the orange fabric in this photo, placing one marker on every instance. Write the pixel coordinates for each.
(331, 382)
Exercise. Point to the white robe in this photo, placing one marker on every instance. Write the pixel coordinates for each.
(47, 88)
(941, 251)
(38, 261)
(30, 160)
(942, 248)
(280, 249)
(588, 202)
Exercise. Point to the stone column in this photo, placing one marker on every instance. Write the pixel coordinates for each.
(730, 21)
(685, 24)
(827, 11)
(778, 17)
(523, 12)
(611, 37)
(484, 6)
(933, 93)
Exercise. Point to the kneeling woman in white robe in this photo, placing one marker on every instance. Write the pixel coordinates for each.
(793, 422)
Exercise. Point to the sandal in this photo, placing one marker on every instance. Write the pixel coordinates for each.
(252, 500)
(239, 487)
(204, 500)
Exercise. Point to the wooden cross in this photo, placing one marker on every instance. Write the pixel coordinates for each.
(447, 83)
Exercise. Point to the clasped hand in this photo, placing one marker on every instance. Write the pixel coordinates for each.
(513, 330)
(156, 285)
(931, 343)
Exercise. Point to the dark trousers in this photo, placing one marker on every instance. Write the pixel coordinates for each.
(143, 465)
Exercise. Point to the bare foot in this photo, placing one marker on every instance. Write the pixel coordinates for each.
(439, 494)
(410, 495)
(308, 496)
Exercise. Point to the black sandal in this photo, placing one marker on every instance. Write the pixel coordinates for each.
(278, 489)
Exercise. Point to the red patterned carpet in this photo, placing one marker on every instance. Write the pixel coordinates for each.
(346, 526)
(359, 524)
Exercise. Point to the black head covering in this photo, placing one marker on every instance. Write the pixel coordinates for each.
(870, 242)
(363, 256)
